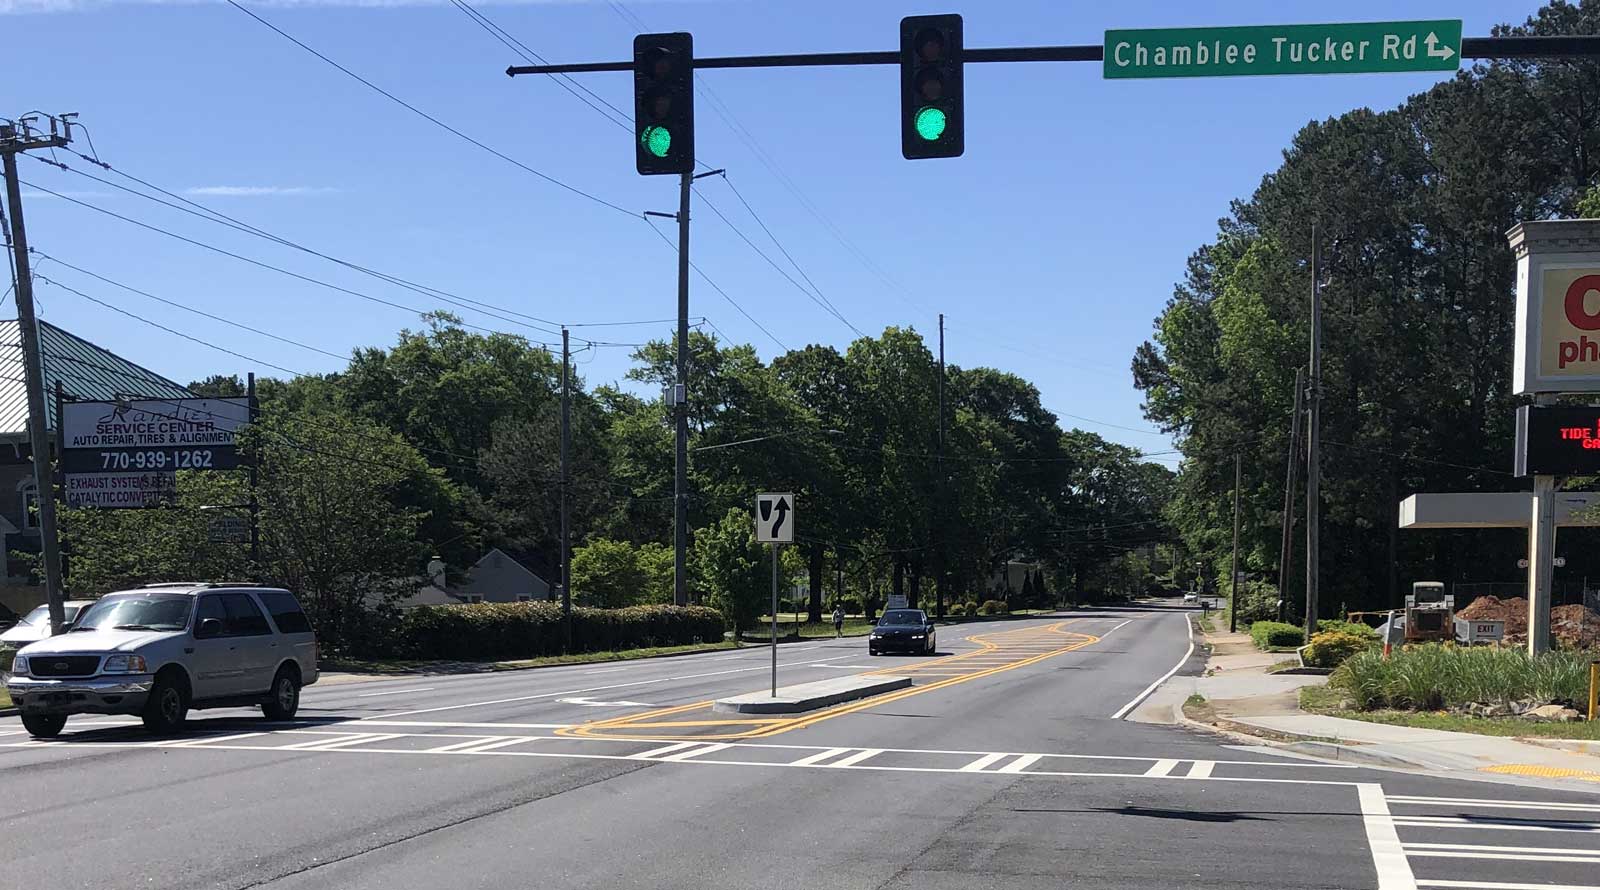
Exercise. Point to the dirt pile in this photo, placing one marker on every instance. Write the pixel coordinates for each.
(1573, 625)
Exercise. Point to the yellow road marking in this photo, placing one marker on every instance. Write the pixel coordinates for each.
(1032, 644)
(1543, 772)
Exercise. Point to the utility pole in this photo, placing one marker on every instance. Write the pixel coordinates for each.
(938, 551)
(680, 405)
(1285, 551)
(1314, 442)
(1233, 609)
(566, 484)
(255, 479)
(14, 140)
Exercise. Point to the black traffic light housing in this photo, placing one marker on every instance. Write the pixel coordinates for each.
(932, 108)
(663, 103)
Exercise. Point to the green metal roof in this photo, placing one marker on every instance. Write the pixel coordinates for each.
(85, 371)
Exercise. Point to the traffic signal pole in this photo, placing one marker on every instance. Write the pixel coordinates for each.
(680, 406)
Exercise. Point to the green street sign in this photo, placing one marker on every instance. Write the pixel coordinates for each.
(1350, 48)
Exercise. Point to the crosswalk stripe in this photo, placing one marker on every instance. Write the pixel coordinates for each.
(1021, 763)
(201, 743)
(983, 763)
(321, 742)
(499, 743)
(1594, 854)
(1495, 804)
(664, 749)
(1491, 885)
(818, 757)
(1528, 825)
(1161, 768)
(1201, 769)
(462, 746)
(359, 740)
(857, 757)
(707, 749)
(1501, 857)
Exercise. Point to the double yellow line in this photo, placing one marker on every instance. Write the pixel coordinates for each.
(989, 659)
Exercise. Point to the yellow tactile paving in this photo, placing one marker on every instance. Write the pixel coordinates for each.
(1542, 772)
(996, 653)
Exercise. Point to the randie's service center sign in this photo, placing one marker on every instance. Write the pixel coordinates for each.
(1558, 306)
(127, 454)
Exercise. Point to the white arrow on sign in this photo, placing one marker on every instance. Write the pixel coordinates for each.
(1434, 49)
(604, 704)
(775, 518)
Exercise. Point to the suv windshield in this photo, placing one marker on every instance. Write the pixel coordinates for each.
(137, 612)
(41, 616)
(904, 617)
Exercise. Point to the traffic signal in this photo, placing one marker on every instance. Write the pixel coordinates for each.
(931, 112)
(663, 103)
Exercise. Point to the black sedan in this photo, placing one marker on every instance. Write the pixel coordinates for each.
(904, 630)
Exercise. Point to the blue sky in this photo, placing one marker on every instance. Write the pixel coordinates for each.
(1050, 246)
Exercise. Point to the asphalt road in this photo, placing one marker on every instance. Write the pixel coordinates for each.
(1004, 766)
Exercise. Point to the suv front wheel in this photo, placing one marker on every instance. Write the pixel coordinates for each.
(44, 726)
(167, 706)
(284, 698)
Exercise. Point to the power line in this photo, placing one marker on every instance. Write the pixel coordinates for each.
(714, 286)
(187, 308)
(428, 117)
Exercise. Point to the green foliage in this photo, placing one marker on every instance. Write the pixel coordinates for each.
(851, 604)
(1589, 205)
(1355, 628)
(1275, 635)
(993, 607)
(1258, 601)
(501, 631)
(729, 565)
(608, 574)
(1433, 676)
(1330, 649)
(6, 654)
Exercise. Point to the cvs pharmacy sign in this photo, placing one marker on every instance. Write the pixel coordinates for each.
(1558, 306)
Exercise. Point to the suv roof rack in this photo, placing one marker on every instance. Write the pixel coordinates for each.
(199, 584)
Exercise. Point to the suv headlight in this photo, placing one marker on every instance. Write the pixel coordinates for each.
(19, 665)
(124, 664)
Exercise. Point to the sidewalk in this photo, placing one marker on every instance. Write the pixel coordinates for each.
(1244, 698)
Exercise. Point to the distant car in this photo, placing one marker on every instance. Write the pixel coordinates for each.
(1191, 597)
(35, 625)
(162, 649)
(903, 630)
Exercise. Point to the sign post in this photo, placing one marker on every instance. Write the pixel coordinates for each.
(775, 525)
(1335, 48)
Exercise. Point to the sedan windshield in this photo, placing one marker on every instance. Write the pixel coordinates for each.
(902, 617)
(137, 612)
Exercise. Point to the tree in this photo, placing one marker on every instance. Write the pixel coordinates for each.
(608, 574)
(728, 564)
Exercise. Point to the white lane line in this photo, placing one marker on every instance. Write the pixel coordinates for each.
(1388, 856)
(818, 757)
(1161, 768)
(604, 671)
(220, 738)
(664, 749)
(857, 757)
(469, 743)
(1497, 824)
(441, 724)
(1021, 763)
(685, 755)
(520, 698)
(397, 692)
(1117, 628)
(1489, 885)
(1201, 769)
(1123, 711)
(1483, 848)
(983, 763)
(1496, 804)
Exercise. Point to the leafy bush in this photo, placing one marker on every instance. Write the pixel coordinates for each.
(493, 631)
(1275, 634)
(972, 608)
(1331, 648)
(1433, 676)
(1257, 600)
(958, 610)
(1346, 627)
(993, 607)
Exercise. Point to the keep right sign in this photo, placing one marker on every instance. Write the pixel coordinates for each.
(1558, 306)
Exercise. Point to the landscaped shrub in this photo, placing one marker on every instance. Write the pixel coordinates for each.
(1331, 648)
(494, 631)
(1433, 676)
(993, 607)
(1349, 627)
(972, 608)
(959, 610)
(1275, 634)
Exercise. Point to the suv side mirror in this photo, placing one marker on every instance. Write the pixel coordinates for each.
(209, 627)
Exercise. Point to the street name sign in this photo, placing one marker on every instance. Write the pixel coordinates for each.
(775, 518)
(1341, 48)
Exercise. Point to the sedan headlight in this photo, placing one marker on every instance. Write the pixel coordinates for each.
(916, 636)
(124, 664)
(19, 664)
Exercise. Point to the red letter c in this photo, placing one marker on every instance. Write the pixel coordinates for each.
(1581, 318)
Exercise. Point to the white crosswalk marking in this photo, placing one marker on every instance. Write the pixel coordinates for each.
(469, 744)
(1021, 763)
(818, 757)
(200, 743)
(983, 763)
(1442, 842)
(664, 749)
(1491, 885)
(359, 740)
(1201, 769)
(857, 757)
(685, 755)
(498, 743)
(1161, 768)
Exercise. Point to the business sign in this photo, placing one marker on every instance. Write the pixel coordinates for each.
(1557, 440)
(127, 453)
(775, 518)
(1558, 306)
(1345, 48)
(229, 529)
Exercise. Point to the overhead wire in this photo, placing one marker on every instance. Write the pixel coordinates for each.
(724, 294)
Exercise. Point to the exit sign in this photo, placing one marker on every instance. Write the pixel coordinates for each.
(1349, 48)
(1557, 440)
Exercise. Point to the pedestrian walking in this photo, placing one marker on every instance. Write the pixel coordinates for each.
(838, 621)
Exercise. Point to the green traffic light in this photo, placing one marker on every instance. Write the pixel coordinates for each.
(658, 140)
(930, 123)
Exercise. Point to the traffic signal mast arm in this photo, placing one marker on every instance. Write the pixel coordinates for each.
(1471, 48)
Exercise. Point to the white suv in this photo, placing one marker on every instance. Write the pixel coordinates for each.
(165, 648)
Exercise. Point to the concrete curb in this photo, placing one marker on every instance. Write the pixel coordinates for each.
(810, 696)
(1310, 746)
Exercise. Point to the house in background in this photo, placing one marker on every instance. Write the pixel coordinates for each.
(497, 577)
(84, 371)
